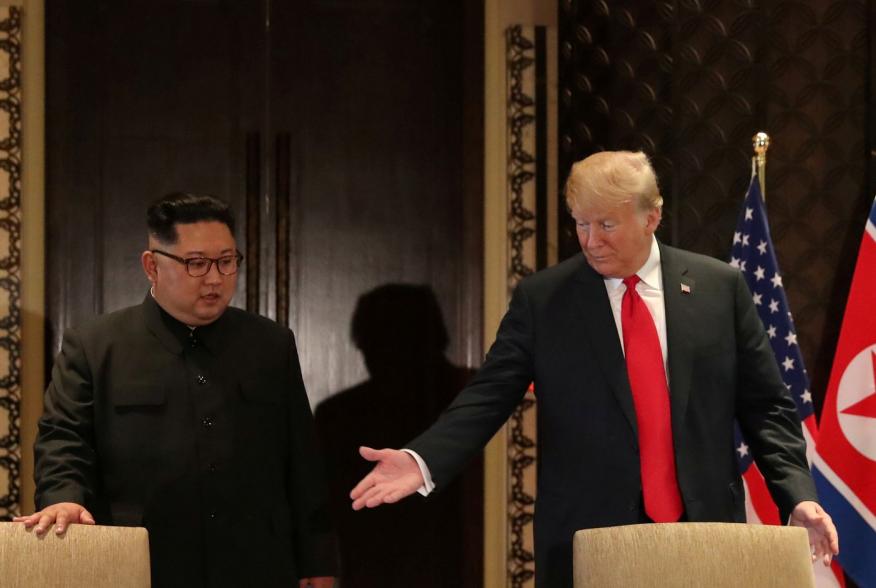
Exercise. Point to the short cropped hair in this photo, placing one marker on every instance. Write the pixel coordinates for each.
(176, 208)
(609, 178)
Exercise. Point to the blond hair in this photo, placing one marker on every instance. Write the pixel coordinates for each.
(609, 178)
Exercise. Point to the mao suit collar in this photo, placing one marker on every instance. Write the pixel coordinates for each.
(175, 336)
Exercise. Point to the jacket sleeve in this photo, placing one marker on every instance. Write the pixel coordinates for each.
(65, 458)
(486, 403)
(766, 412)
(315, 541)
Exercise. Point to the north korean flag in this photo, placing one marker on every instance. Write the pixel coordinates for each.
(845, 462)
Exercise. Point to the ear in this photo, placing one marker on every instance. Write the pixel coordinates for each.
(147, 259)
(653, 219)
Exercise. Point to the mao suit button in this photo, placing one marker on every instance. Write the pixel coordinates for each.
(207, 422)
(201, 380)
(211, 468)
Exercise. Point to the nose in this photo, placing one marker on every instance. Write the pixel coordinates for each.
(213, 276)
(593, 239)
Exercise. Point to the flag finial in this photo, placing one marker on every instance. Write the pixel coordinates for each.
(761, 143)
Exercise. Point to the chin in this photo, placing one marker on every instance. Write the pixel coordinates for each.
(604, 269)
(210, 315)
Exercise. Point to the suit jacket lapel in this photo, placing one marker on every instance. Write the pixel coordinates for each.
(678, 292)
(598, 323)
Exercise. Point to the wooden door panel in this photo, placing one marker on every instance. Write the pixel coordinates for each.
(144, 98)
(378, 93)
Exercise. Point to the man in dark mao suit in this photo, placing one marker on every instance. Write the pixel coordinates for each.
(189, 418)
(565, 331)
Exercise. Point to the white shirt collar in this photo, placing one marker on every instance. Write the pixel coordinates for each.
(649, 273)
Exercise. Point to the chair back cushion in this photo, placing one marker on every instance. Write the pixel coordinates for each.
(86, 556)
(715, 555)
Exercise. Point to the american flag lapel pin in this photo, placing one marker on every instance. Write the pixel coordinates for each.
(685, 289)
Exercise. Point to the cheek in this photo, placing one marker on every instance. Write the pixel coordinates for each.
(191, 288)
(615, 241)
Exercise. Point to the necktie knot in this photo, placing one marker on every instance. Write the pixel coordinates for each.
(631, 281)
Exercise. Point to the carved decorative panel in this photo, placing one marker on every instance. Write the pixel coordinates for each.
(527, 222)
(10, 260)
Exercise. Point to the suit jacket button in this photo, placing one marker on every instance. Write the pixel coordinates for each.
(201, 380)
(207, 422)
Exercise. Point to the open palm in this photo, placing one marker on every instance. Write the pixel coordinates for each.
(395, 476)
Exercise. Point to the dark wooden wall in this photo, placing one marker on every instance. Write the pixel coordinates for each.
(690, 82)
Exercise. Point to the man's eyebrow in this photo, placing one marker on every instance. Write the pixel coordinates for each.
(197, 253)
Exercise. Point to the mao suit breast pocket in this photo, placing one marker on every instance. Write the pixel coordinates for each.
(142, 398)
(137, 429)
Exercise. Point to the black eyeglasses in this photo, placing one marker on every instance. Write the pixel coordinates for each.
(200, 266)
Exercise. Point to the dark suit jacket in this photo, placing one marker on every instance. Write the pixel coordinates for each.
(560, 333)
(211, 448)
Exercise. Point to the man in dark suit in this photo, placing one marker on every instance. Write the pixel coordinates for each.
(642, 356)
(189, 418)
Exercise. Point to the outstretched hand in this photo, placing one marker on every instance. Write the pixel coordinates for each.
(61, 515)
(395, 476)
(823, 538)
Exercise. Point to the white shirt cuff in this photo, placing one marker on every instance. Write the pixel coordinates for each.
(428, 484)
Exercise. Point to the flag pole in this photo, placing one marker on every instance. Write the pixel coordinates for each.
(761, 143)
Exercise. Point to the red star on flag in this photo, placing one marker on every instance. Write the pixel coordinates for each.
(867, 406)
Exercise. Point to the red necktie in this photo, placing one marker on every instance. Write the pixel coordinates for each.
(651, 398)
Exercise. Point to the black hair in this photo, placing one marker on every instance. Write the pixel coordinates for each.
(175, 208)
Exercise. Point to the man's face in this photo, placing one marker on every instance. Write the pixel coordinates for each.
(616, 239)
(193, 301)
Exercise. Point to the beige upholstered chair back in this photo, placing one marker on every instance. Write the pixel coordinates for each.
(713, 555)
(85, 556)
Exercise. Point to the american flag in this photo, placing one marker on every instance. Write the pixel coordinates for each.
(753, 254)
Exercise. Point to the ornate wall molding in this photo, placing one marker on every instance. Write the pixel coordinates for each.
(527, 196)
(10, 260)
